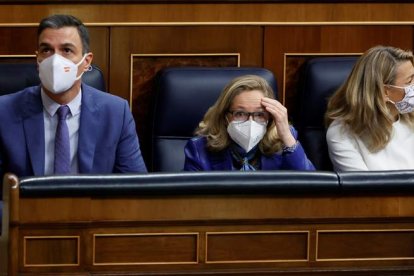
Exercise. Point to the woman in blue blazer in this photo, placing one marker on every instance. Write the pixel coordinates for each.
(246, 129)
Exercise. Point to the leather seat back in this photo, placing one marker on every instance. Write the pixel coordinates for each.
(319, 79)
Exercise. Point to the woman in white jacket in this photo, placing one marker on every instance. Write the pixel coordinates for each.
(370, 117)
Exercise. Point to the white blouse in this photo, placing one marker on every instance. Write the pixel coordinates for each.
(348, 152)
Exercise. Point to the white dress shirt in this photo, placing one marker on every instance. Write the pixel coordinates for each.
(50, 120)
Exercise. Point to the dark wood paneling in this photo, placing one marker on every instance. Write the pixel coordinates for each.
(51, 251)
(256, 247)
(355, 245)
(179, 40)
(246, 235)
(145, 249)
(245, 227)
(99, 44)
(187, 208)
(316, 40)
(259, 11)
(18, 41)
(202, 1)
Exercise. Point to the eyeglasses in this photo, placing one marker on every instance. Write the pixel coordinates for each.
(243, 116)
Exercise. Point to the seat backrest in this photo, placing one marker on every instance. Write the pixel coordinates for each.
(183, 96)
(17, 76)
(319, 79)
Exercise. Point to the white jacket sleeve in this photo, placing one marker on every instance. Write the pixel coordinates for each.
(343, 149)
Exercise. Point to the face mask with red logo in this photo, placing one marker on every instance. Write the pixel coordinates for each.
(58, 74)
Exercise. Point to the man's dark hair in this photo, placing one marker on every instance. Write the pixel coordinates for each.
(58, 21)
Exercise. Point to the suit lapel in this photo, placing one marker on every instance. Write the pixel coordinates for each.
(89, 123)
(33, 125)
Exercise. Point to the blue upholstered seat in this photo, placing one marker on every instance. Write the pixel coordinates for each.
(319, 79)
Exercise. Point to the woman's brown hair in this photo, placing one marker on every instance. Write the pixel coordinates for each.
(360, 103)
(214, 124)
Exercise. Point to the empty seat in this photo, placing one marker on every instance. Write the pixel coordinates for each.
(318, 80)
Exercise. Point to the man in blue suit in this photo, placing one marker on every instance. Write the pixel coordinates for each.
(102, 134)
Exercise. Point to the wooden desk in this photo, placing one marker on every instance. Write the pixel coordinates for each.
(257, 234)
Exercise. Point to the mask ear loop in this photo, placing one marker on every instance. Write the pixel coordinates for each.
(387, 98)
(391, 101)
(89, 68)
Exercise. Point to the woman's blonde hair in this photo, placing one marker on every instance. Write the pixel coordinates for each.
(214, 124)
(360, 103)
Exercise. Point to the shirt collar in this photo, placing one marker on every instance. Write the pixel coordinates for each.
(51, 106)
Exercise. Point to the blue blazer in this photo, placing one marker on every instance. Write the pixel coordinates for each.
(108, 141)
(198, 158)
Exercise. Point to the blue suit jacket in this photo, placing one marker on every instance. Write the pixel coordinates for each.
(198, 158)
(107, 143)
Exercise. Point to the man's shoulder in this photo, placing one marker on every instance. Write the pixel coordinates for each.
(20, 97)
(101, 97)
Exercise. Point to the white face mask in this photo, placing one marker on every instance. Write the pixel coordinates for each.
(247, 134)
(58, 74)
(406, 105)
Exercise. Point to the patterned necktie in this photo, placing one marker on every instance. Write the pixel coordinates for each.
(62, 146)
